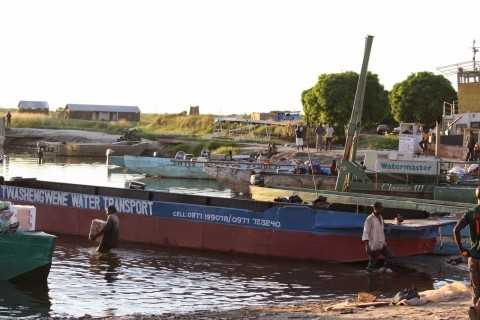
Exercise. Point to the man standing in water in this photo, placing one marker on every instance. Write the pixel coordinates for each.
(472, 220)
(110, 231)
(374, 238)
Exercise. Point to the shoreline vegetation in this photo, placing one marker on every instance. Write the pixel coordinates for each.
(189, 133)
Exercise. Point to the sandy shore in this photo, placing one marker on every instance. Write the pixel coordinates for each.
(59, 135)
(452, 310)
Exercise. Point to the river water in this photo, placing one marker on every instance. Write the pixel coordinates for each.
(155, 280)
(94, 172)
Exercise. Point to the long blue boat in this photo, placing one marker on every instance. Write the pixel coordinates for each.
(218, 224)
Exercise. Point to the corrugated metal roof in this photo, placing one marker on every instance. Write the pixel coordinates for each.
(32, 105)
(101, 108)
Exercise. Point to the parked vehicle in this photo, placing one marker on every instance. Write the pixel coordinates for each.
(382, 129)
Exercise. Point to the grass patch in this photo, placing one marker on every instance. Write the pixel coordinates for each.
(149, 126)
(378, 142)
(226, 150)
(56, 121)
(178, 124)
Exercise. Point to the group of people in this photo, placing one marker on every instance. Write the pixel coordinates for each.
(323, 135)
(379, 255)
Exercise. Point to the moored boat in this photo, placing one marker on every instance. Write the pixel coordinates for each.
(270, 176)
(438, 207)
(92, 149)
(162, 167)
(26, 255)
(187, 167)
(218, 224)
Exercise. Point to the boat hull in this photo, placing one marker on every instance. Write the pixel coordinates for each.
(217, 224)
(93, 149)
(164, 167)
(26, 255)
(237, 175)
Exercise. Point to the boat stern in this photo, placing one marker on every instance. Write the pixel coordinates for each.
(26, 255)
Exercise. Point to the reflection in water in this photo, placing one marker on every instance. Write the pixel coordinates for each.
(153, 280)
(24, 300)
(92, 171)
(105, 264)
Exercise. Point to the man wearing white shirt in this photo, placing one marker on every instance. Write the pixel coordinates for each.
(374, 237)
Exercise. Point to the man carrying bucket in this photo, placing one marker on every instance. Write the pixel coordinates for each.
(110, 231)
(471, 219)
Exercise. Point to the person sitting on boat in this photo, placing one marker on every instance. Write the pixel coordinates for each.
(333, 168)
(374, 238)
(320, 203)
(471, 219)
(110, 231)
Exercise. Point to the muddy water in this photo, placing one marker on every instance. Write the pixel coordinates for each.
(153, 280)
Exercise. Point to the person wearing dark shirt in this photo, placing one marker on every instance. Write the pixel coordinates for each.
(333, 168)
(110, 231)
(9, 119)
(319, 132)
(471, 219)
(471, 147)
(299, 136)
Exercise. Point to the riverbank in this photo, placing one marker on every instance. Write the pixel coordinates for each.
(27, 138)
(451, 310)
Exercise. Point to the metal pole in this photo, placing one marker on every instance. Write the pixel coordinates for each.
(437, 139)
(355, 118)
(360, 95)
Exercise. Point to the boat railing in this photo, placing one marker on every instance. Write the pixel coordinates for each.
(248, 165)
(447, 165)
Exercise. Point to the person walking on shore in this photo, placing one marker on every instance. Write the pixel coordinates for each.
(374, 238)
(110, 231)
(319, 133)
(299, 134)
(471, 219)
(471, 147)
(9, 119)
(329, 138)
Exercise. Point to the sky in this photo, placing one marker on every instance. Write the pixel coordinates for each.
(227, 56)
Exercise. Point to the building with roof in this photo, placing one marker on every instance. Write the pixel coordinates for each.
(33, 106)
(102, 112)
(194, 110)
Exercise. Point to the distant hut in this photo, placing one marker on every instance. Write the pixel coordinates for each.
(33, 106)
(194, 110)
(102, 112)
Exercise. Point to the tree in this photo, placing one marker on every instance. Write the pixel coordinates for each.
(420, 97)
(331, 100)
